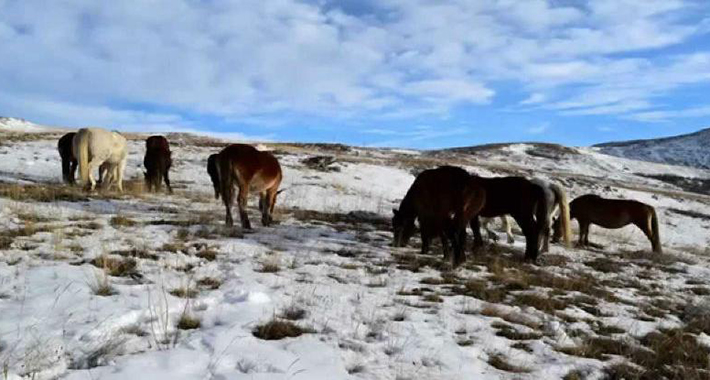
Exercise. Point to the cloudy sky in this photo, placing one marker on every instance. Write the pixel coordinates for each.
(408, 73)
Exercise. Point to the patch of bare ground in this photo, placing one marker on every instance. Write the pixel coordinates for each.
(351, 221)
(277, 329)
(7, 237)
(510, 317)
(44, 193)
(116, 266)
(513, 333)
(499, 361)
(210, 283)
(136, 253)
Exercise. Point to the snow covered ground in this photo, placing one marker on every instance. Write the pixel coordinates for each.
(151, 286)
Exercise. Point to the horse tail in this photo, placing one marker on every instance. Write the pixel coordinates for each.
(565, 229)
(225, 179)
(213, 171)
(81, 152)
(656, 238)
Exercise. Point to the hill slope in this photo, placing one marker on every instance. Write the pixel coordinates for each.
(689, 150)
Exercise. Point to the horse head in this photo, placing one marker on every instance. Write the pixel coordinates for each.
(403, 228)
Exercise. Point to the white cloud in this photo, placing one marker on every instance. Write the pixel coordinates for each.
(255, 59)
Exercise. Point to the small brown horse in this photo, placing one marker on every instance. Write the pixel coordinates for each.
(69, 162)
(520, 198)
(157, 162)
(250, 169)
(614, 213)
(443, 200)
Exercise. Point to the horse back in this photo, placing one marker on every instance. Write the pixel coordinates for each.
(157, 142)
(252, 167)
(438, 193)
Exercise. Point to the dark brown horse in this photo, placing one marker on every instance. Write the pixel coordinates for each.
(250, 169)
(69, 162)
(614, 213)
(520, 198)
(157, 162)
(443, 200)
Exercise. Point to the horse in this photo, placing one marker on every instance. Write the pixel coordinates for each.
(520, 198)
(157, 162)
(505, 223)
(614, 213)
(556, 199)
(69, 163)
(98, 148)
(248, 168)
(443, 200)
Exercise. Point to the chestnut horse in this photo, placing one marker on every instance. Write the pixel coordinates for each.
(157, 162)
(520, 198)
(250, 169)
(614, 213)
(443, 200)
(69, 163)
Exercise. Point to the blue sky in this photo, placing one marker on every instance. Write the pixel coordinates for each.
(404, 73)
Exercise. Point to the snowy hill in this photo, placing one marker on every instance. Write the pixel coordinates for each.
(11, 124)
(690, 149)
(138, 285)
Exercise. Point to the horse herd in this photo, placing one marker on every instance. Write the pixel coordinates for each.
(444, 200)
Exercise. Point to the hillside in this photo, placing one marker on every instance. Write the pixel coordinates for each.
(689, 150)
(138, 285)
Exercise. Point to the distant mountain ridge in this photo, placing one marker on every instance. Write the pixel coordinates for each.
(691, 149)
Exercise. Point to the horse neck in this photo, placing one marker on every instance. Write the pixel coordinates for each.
(406, 207)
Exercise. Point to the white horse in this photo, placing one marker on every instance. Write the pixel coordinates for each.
(96, 148)
(505, 222)
(556, 200)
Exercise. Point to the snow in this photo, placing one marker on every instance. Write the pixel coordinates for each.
(337, 266)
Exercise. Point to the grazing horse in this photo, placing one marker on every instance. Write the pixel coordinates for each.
(443, 200)
(98, 148)
(505, 223)
(157, 162)
(556, 199)
(614, 213)
(248, 168)
(69, 162)
(520, 198)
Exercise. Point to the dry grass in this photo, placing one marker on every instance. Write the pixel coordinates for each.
(209, 283)
(122, 221)
(268, 266)
(42, 193)
(118, 267)
(101, 285)
(188, 322)
(184, 292)
(277, 329)
(500, 362)
(209, 254)
(509, 332)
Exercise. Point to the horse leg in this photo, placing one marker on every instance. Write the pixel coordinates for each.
(242, 203)
(72, 172)
(93, 165)
(477, 238)
(644, 227)
(532, 237)
(458, 237)
(264, 208)
(118, 172)
(508, 231)
(445, 245)
(167, 180)
(583, 233)
(426, 240)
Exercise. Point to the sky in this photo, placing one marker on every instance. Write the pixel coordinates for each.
(397, 73)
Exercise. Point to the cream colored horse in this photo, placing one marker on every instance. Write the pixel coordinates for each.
(505, 224)
(98, 148)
